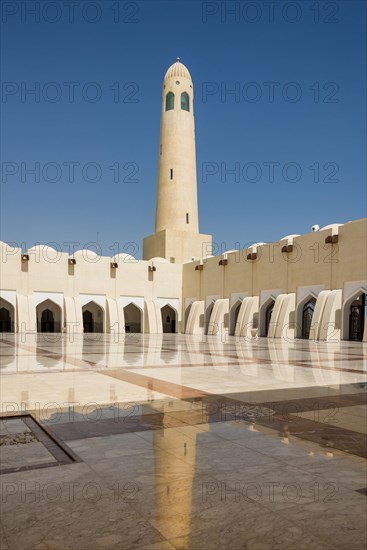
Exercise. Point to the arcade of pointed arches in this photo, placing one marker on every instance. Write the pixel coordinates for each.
(49, 316)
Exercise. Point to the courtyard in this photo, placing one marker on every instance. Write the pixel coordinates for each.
(174, 441)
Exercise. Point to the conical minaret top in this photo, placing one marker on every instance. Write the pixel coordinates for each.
(177, 207)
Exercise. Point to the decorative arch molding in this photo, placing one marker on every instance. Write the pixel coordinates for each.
(304, 295)
(7, 316)
(10, 297)
(56, 297)
(169, 318)
(94, 324)
(195, 319)
(173, 303)
(133, 318)
(187, 308)
(208, 309)
(138, 301)
(233, 315)
(266, 298)
(99, 299)
(49, 315)
(351, 293)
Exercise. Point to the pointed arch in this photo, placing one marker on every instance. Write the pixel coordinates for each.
(354, 315)
(49, 316)
(265, 315)
(310, 297)
(169, 318)
(307, 314)
(93, 317)
(133, 318)
(7, 316)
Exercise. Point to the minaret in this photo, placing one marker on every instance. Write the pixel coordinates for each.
(176, 236)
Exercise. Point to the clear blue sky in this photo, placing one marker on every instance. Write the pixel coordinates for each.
(324, 128)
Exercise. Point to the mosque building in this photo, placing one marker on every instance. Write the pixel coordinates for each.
(309, 286)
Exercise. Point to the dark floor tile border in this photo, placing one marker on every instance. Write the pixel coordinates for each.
(59, 450)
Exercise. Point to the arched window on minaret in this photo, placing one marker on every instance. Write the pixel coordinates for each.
(170, 101)
(185, 101)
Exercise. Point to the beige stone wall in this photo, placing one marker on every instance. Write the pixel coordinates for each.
(176, 246)
(49, 272)
(311, 263)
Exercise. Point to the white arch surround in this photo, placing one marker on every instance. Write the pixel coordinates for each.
(136, 300)
(173, 302)
(318, 314)
(73, 315)
(165, 325)
(56, 297)
(351, 292)
(247, 325)
(115, 317)
(195, 321)
(232, 315)
(97, 308)
(12, 313)
(153, 317)
(299, 312)
(10, 296)
(208, 308)
(266, 297)
(139, 309)
(186, 313)
(329, 328)
(217, 324)
(99, 300)
(56, 310)
(26, 312)
(304, 294)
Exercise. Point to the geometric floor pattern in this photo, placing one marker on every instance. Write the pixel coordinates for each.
(183, 442)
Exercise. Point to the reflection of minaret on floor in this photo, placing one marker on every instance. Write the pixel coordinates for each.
(174, 471)
(177, 236)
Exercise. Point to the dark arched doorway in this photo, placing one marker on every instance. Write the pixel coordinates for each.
(48, 316)
(168, 319)
(132, 316)
(5, 320)
(357, 318)
(92, 317)
(88, 321)
(47, 323)
(307, 314)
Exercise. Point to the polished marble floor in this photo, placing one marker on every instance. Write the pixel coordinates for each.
(182, 442)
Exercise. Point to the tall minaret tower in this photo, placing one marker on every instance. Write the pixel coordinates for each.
(176, 236)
